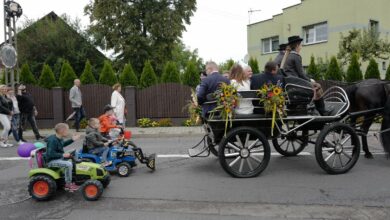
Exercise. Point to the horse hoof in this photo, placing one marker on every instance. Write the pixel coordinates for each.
(369, 156)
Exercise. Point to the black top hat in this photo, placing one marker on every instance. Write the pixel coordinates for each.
(294, 39)
(108, 108)
(282, 47)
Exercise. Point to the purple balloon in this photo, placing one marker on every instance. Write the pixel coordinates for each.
(24, 150)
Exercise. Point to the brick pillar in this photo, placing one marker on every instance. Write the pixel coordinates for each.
(58, 105)
(131, 118)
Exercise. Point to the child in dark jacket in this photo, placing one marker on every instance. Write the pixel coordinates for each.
(95, 142)
(55, 154)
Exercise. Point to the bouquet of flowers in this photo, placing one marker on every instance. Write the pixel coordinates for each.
(227, 101)
(273, 99)
(194, 110)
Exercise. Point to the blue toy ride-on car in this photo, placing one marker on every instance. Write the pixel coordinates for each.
(122, 157)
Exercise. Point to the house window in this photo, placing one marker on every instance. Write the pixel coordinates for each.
(270, 44)
(374, 25)
(315, 33)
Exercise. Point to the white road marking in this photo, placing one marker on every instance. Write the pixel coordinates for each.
(14, 158)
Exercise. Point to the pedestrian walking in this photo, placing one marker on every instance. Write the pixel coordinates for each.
(118, 103)
(75, 98)
(5, 115)
(15, 120)
(28, 112)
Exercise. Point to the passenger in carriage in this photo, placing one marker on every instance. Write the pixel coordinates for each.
(270, 75)
(240, 80)
(209, 85)
(248, 71)
(293, 67)
(279, 57)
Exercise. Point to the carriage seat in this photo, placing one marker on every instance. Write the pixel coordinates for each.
(299, 91)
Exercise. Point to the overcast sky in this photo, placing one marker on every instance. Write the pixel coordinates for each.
(218, 27)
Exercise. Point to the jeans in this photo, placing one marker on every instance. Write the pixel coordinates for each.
(30, 117)
(100, 151)
(67, 165)
(80, 114)
(6, 122)
(15, 124)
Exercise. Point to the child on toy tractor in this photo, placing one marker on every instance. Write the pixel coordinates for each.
(95, 143)
(106, 122)
(55, 155)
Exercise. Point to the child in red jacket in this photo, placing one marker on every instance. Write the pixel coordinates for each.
(106, 122)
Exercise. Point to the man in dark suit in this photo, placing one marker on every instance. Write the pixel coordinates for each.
(209, 85)
(270, 75)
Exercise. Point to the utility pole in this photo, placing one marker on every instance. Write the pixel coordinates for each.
(8, 55)
(250, 12)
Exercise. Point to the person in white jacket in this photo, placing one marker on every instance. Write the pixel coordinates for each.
(240, 80)
(118, 102)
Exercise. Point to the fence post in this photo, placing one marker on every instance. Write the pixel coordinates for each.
(58, 105)
(131, 105)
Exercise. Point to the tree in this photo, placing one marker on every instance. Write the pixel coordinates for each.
(87, 76)
(254, 65)
(182, 55)
(191, 75)
(366, 43)
(354, 73)
(107, 76)
(372, 71)
(47, 79)
(170, 74)
(50, 39)
(333, 72)
(26, 76)
(148, 76)
(139, 30)
(312, 70)
(388, 73)
(226, 66)
(128, 77)
(67, 76)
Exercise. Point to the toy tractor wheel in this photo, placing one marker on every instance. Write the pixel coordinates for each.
(123, 169)
(42, 187)
(92, 190)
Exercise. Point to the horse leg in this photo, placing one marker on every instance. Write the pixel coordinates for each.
(366, 127)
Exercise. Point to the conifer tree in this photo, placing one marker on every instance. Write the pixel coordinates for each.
(47, 79)
(26, 76)
(128, 77)
(171, 73)
(87, 76)
(372, 71)
(67, 76)
(191, 75)
(107, 76)
(312, 70)
(148, 76)
(333, 72)
(254, 65)
(354, 73)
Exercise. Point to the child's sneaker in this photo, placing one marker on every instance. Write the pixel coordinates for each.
(3, 145)
(71, 187)
(9, 145)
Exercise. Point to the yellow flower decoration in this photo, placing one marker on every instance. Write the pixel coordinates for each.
(277, 90)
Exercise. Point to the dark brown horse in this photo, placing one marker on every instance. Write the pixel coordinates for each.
(366, 95)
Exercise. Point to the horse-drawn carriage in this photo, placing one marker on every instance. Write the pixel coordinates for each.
(244, 151)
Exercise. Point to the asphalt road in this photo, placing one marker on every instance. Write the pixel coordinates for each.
(188, 188)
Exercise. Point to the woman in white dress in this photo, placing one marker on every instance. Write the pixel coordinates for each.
(240, 80)
(118, 102)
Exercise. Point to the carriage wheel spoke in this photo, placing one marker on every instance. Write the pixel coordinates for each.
(254, 158)
(249, 163)
(340, 136)
(341, 161)
(234, 161)
(283, 142)
(288, 146)
(330, 155)
(241, 165)
(327, 149)
(232, 154)
(347, 155)
(334, 161)
(293, 145)
(329, 142)
(253, 144)
(233, 146)
(348, 147)
(238, 139)
(345, 140)
(247, 140)
(257, 151)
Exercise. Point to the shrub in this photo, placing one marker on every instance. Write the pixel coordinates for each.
(170, 73)
(189, 123)
(312, 70)
(67, 76)
(165, 122)
(107, 76)
(26, 76)
(333, 72)
(354, 72)
(372, 71)
(87, 76)
(148, 76)
(47, 79)
(144, 122)
(388, 73)
(128, 77)
(253, 63)
(191, 75)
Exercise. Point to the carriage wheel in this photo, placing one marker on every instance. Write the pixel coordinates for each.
(291, 144)
(337, 148)
(244, 152)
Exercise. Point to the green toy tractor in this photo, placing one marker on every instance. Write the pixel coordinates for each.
(44, 181)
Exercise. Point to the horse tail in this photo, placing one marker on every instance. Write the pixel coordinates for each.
(385, 127)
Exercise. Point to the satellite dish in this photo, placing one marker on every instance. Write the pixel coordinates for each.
(8, 56)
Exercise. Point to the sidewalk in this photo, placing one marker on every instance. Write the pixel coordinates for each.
(139, 132)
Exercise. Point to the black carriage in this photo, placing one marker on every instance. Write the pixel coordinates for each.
(245, 150)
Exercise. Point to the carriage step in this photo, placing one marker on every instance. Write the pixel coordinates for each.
(195, 152)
